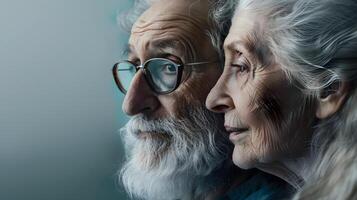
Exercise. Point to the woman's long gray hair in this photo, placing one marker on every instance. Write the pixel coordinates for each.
(315, 41)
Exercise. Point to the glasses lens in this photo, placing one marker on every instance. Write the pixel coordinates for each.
(125, 72)
(163, 74)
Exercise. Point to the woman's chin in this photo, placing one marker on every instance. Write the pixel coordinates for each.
(243, 158)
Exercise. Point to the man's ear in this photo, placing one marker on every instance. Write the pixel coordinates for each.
(331, 99)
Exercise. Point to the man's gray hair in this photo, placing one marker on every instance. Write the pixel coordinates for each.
(219, 17)
(315, 41)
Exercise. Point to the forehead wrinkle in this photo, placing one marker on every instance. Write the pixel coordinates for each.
(196, 21)
(179, 44)
(184, 42)
(160, 28)
(168, 23)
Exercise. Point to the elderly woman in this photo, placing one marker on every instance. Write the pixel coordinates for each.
(289, 95)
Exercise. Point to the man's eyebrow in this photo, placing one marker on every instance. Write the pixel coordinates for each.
(176, 47)
(166, 44)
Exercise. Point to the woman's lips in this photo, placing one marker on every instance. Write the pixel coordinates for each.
(234, 132)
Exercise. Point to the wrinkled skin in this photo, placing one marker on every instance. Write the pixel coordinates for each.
(170, 30)
(268, 115)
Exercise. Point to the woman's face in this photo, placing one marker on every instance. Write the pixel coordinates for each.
(267, 117)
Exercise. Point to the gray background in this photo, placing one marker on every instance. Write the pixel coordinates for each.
(59, 107)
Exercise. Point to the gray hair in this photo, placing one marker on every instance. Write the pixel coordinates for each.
(220, 14)
(315, 41)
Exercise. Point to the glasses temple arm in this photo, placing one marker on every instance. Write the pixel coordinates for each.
(200, 63)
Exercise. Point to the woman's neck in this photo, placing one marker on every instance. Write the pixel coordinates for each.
(293, 171)
(232, 178)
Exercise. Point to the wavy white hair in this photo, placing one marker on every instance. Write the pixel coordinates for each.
(316, 43)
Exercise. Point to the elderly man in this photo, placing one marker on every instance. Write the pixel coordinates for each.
(176, 149)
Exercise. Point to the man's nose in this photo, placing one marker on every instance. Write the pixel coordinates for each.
(218, 100)
(139, 97)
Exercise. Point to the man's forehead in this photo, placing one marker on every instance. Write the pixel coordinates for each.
(166, 21)
(170, 10)
(156, 46)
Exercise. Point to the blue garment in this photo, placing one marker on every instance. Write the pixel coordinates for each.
(260, 186)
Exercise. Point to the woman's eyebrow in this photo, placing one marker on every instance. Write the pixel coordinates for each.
(246, 46)
(253, 45)
(232, 45)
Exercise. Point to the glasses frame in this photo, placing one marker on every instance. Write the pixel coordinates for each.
(179, 69)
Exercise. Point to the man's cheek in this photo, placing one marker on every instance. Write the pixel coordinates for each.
(175, 104)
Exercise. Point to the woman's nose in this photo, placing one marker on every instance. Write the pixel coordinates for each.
(218, 100)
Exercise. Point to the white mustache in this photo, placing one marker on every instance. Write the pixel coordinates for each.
(140, 123)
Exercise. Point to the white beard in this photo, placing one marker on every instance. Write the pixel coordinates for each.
(175, 165)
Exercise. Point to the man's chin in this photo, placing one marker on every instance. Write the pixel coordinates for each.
(151, 161)
(150, 151)
(154, 183)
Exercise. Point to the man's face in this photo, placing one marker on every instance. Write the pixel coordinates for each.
(174, 30)
(173, 131)
(267, 115)
(172, 138)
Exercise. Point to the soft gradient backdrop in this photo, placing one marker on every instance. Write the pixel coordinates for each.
(59, 108)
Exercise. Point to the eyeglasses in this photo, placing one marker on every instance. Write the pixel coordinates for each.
(163, 75)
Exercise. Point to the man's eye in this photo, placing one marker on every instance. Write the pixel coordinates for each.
(169, 69)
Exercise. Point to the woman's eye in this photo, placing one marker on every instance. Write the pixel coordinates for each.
(241, 67)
